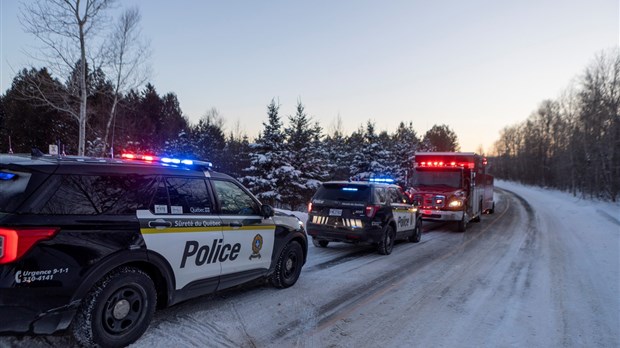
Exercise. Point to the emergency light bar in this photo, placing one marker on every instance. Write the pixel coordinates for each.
(349, 189)
(468, 165)
(387, 180)
(166, 160)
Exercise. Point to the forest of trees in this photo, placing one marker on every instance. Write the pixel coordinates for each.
(92, 99)
(283, 165)
(572, 143)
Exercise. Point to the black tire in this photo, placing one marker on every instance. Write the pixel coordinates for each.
(477, 218)
(461, 226)
(417, 233)
(288, 266)
(320, 243)
(492, 210)
(117, 310)
(386, 244)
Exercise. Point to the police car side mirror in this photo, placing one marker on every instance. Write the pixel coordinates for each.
(266, 211)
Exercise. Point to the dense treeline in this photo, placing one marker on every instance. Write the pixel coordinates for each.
(572, 143)
(283, 165)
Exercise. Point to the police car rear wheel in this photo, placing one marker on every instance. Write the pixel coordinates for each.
(387, 241)
(118, 309)
(288, 266)
(320, 243)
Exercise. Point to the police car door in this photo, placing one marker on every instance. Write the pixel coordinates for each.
(245, 231)
(181, 226)
(403, 212)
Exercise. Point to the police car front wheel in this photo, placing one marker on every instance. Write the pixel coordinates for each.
(288, 266)
(117, 311)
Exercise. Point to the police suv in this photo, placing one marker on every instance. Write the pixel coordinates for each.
(374, 212)
(96, 245)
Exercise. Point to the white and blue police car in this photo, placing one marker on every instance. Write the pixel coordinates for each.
(374, 211)
(96, 245)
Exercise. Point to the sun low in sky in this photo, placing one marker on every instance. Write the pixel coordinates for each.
(475, 66)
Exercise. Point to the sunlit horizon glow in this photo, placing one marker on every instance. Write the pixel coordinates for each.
(476, 66)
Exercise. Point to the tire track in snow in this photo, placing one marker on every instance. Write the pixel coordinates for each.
(340, 307)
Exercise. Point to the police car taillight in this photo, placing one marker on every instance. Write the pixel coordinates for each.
(310, 207)
(371, 210)
(14, 243)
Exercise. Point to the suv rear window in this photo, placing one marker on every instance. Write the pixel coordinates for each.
(97, 194)
(12, 188)
(344, 192)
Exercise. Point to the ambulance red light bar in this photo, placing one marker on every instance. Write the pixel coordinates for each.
(439, 164)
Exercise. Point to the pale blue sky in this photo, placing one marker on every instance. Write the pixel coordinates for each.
(475, 65)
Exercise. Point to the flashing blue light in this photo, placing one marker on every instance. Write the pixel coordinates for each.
(6, 176)
(349, 189)
(387, 180)
(170, 160)
(187, 162)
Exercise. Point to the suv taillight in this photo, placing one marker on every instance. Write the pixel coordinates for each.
(371, 210)
(15, 242)
(310, 207)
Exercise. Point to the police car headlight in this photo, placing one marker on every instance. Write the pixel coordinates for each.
(455, 204)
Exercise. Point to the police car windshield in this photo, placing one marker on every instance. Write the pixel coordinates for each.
(343, 192)
(437, 178)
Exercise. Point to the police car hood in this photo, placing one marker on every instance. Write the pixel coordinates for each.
(288, 219)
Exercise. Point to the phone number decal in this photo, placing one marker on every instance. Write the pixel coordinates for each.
(37, 276)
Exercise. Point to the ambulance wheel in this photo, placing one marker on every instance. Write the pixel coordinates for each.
(461, 226)
(288, 266)
(417, 232)
(320, 243)
(479, 216)
(117, 310)
(386, 244)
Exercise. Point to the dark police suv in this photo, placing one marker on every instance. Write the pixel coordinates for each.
(375, 212)
(95, 245)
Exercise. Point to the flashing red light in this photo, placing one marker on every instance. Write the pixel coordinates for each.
(128, 156)
(371, 210)
(469, 165)
(16, 242)
(148, 158)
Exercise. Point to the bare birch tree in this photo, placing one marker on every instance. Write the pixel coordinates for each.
(68, 30)
(126, 64)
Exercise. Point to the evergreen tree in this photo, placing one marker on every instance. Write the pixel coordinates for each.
(306, 156)
(209, 141)
(32, 124)
(441, 138)
(267, 159)
(406, 143)
(236, 153)
(336, 153)
(373, 154)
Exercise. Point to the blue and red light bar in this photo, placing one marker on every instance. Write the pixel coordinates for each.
(164, 160)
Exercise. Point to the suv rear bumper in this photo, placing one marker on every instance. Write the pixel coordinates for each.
(25, 311)
(441, 215)
(369, 234)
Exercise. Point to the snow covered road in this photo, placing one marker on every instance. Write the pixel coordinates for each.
(543, 271)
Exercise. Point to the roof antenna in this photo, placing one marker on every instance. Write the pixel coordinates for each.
(10, 148)
(35, 152)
